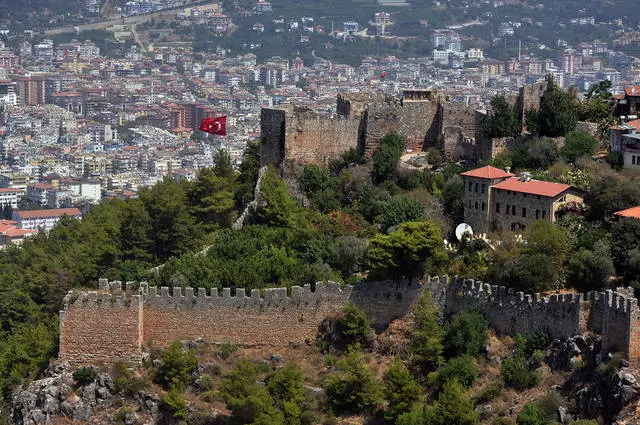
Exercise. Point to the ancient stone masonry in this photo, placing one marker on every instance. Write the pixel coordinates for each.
(292, 136)
(113, 324)
(611, 314)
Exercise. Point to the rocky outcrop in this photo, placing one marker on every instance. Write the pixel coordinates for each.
(59, 395)
(609, 394)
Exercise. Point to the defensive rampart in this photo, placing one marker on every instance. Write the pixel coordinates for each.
(113, 324)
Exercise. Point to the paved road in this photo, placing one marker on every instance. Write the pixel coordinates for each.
(131, 20)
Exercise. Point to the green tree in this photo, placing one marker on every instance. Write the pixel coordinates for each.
(407, 250)
(578, 144)
(466, 333)
(352, 388)
(558, 112)
(531, 121)
(401, 390)
(248, 400)
(354, 327)
(398, 210)
(177, 365)
(625, 234)
(223, 165)
(425, 347)
(502, 121)
(453, 198)
(280, 209)
(386, 157)
(286, 387)
(211, 196)
(454, 407)
(249, 169)
(173, 228)
(590, 270)
(516, 373)
(460, 369)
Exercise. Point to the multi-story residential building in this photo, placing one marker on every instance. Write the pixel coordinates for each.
(31, 91)
(492, 67)
(37, 193)
(263, 7)
(11, 234)
(8, 92)
(43, 51)
(10, 196)
(625, 139)
(496, 200)
(43, 219)
(442, 38)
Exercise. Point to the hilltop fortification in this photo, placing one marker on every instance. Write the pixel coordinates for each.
(114, 323)
(293, 135)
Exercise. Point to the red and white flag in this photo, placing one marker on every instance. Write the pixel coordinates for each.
(216, 126)
(384, 74)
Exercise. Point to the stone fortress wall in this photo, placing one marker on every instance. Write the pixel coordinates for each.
(115, 323)
(293, 135)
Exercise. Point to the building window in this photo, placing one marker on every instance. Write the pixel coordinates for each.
(544, 214)
(538, 197)
(537, 214)
(498, 207)
(470, 187)
(483, 206)
(633, 159)
(524, 212)
(524, 195)
(476, 205)
(513, 210)
(484, 186)
(476, 187)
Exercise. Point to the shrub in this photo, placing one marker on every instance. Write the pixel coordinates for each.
(125, 381)
(353, 327)
(425, 340)
(460, 369)
(467, 333)
(453, 407)
(353, 388)
(526, 345)
(177, 365)
(386, 158)
(210, 396)
(206, 383)
(226, 350)
(492, 391)
(516, 374)
(401, 390)
(173, 403)
(530, 414)
(85, 375)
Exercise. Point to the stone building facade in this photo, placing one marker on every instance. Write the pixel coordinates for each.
(496, 200)
(112, 324)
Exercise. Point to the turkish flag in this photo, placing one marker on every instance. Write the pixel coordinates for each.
(215, 125)
(384, 74)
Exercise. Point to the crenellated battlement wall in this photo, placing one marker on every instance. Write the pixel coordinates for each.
(612, 314)
(114, 323)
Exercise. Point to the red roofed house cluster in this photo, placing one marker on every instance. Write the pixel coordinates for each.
(497, 200)
(44, 219)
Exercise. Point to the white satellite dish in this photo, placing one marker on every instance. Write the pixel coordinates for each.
(462, 229)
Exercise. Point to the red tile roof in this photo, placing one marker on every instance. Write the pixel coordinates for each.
(49, 213)
(634, 123)
(487, 172)
(629, 212)
(533, 187)
(16, 232)
(632, 91)
(10, 189)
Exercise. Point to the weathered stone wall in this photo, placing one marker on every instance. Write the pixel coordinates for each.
(529, 99)
(295, 135)
(459, 130)
(271, 320)
(611, 314)
(272, 134)
(385, 301)
(98, 327)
